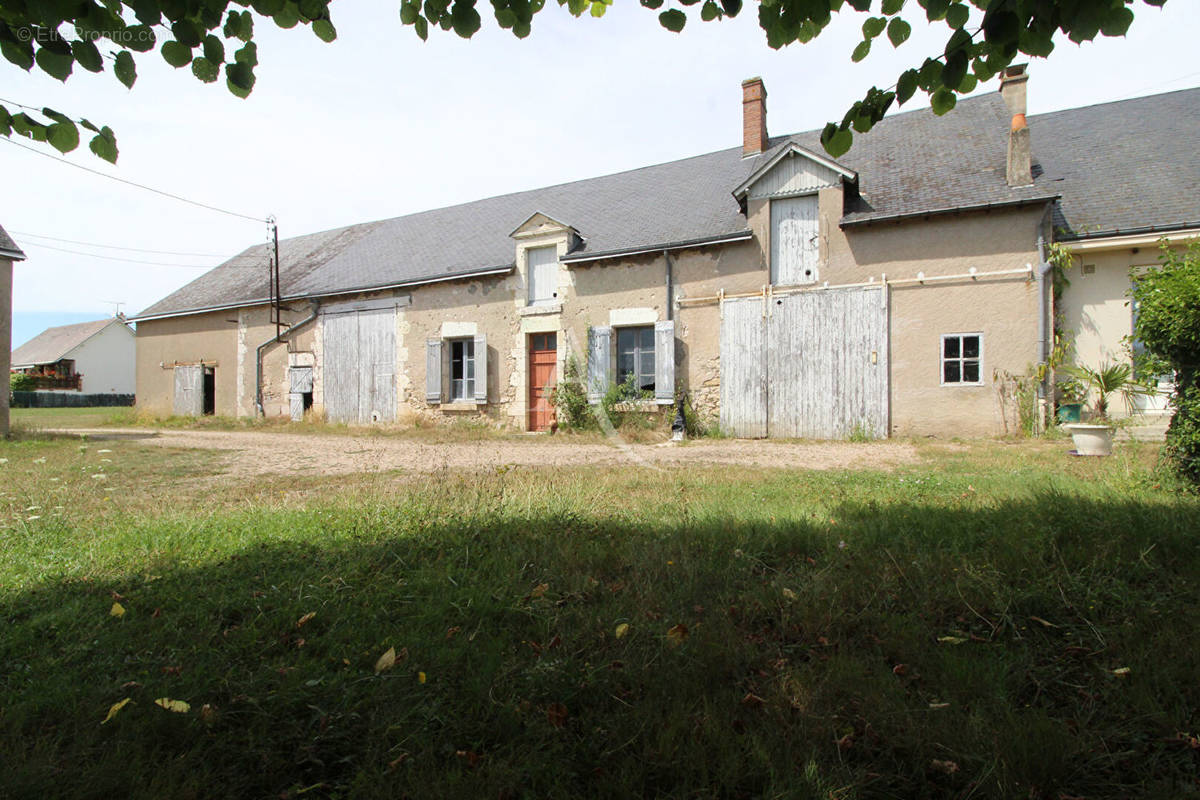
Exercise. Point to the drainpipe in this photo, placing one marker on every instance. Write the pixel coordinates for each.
(258, 363)
(1043, 268)
(670, 285)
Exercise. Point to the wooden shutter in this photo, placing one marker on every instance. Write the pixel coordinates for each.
(481, 368)
(599, 360)
(664, 362)
(794, 240)
(433, 370)
(542, 268)
(300, 379)
(189, 390)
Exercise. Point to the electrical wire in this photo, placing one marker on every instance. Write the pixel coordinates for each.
(141, 261)
(135, 184)
(116, 247)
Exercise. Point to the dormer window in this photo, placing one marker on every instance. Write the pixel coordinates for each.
(542, 263)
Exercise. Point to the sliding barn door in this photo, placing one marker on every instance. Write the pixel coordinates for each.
(359, 369)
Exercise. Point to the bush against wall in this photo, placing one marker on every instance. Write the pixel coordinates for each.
(20, 382)
(1168, 325)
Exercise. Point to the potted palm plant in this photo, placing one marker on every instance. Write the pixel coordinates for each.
(1094, 437)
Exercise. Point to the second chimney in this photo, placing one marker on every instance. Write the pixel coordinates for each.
(754, 117)
(1019, 168)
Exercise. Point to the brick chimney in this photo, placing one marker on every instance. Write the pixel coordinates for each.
(754, 117)
(1019, 169)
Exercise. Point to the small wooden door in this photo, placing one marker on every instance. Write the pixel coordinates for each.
(543, 358)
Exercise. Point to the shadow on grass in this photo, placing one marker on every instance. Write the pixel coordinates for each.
(906, 650)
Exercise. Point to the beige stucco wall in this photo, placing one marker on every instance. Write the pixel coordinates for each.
(210, 338)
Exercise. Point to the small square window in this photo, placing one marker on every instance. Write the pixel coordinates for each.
(962, 359)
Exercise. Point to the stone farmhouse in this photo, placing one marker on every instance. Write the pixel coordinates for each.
(784, 293)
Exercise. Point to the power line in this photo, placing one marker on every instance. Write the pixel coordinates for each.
(116, 247)
(140, 261)
(134, 184)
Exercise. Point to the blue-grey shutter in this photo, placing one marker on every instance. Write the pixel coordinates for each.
(433, 370)
(481, 368)
(599, 370)
(664, 362)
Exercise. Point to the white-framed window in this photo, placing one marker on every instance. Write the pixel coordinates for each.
(462, 370)
(542, 267)
(962, 359)
(635, 356)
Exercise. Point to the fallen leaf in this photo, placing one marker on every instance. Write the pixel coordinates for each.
(556, 714)
(539, 590)
(172, 670)
(678, 634)
(936, 705)
(178, 706)
(452, 632)
(900, 669)
(555, 642)
(846, 742)
(115, 595)
(306, 618)
(946, 767)
(789, 594)
(115, 707)
(420, 677)
(952, 639)
(622, 630)
(395, 762)
(386, 661)
(117, 610)
(208, 713)
(1043, 622)
(1122, 672)
(751, 700)
(469, 756)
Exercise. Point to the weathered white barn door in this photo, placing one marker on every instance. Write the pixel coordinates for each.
(359, 369)
(821, 363)
(795, 240)
(189, 390)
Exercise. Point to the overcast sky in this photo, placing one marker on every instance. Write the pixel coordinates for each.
(379, 124)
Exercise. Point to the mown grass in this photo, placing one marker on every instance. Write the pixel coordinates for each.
(960, 628)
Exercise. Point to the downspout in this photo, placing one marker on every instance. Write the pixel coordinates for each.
(1043, 268)
(670, 286)
(258, 356)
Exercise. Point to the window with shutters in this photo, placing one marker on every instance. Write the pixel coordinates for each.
(462, 370)
(962, 359)
(542, 264)
(635, 357)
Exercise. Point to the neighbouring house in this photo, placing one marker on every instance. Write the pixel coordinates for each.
(93, 358)
(9, 252)
(893, 291)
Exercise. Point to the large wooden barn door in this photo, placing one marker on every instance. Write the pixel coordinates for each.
(808, 365)
(359, 369)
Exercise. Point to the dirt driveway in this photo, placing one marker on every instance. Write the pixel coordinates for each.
(257, 453)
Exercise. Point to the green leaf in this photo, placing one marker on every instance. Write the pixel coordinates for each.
(5, 122)
(935, 9)
(214, 49)
(942, 101)
(835, 140)
(968, 85)
(205, 70)
(860, 52)
(652, 4)
(731, 7)
(87, 124)
(186, 32)
(324, 30)
(125, 70)
(906, 87)
(898, 31)
(63, 136)
(176, 54)
(409, 11)
(87, 55)
(287, 17)
(673, 20)
(247, 54)
(465, 19)
(505, 18)
(55, 62)
(891, 7)
(957, 15)
(247, 31)
(314, 10)
(239, 79)
(19, 53)
(421, 27)
(1117, 22)
(873, 27)
(104, 145)
(139, 38)
(955, 69)
(709, 11)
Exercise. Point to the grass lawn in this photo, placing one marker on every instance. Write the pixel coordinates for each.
(999, 621)
(31, 419)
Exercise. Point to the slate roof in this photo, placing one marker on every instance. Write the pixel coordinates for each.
(1124, 167)
(53, 344)
(1110, 164)
(8, 248)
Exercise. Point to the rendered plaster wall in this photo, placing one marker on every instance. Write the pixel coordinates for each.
(211, 338)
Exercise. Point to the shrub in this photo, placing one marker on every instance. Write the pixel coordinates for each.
(20, 382)
(570, 399)
(1168, 326)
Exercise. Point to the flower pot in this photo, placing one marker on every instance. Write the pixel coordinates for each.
(1069, 412)
(1091, 440)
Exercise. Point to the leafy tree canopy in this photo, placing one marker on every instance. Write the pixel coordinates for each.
(215, 40)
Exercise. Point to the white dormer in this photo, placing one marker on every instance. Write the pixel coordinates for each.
(541, 242)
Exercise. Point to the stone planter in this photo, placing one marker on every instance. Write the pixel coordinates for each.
(1091, 440)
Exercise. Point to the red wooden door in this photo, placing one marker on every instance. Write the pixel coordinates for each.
(543, 358)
